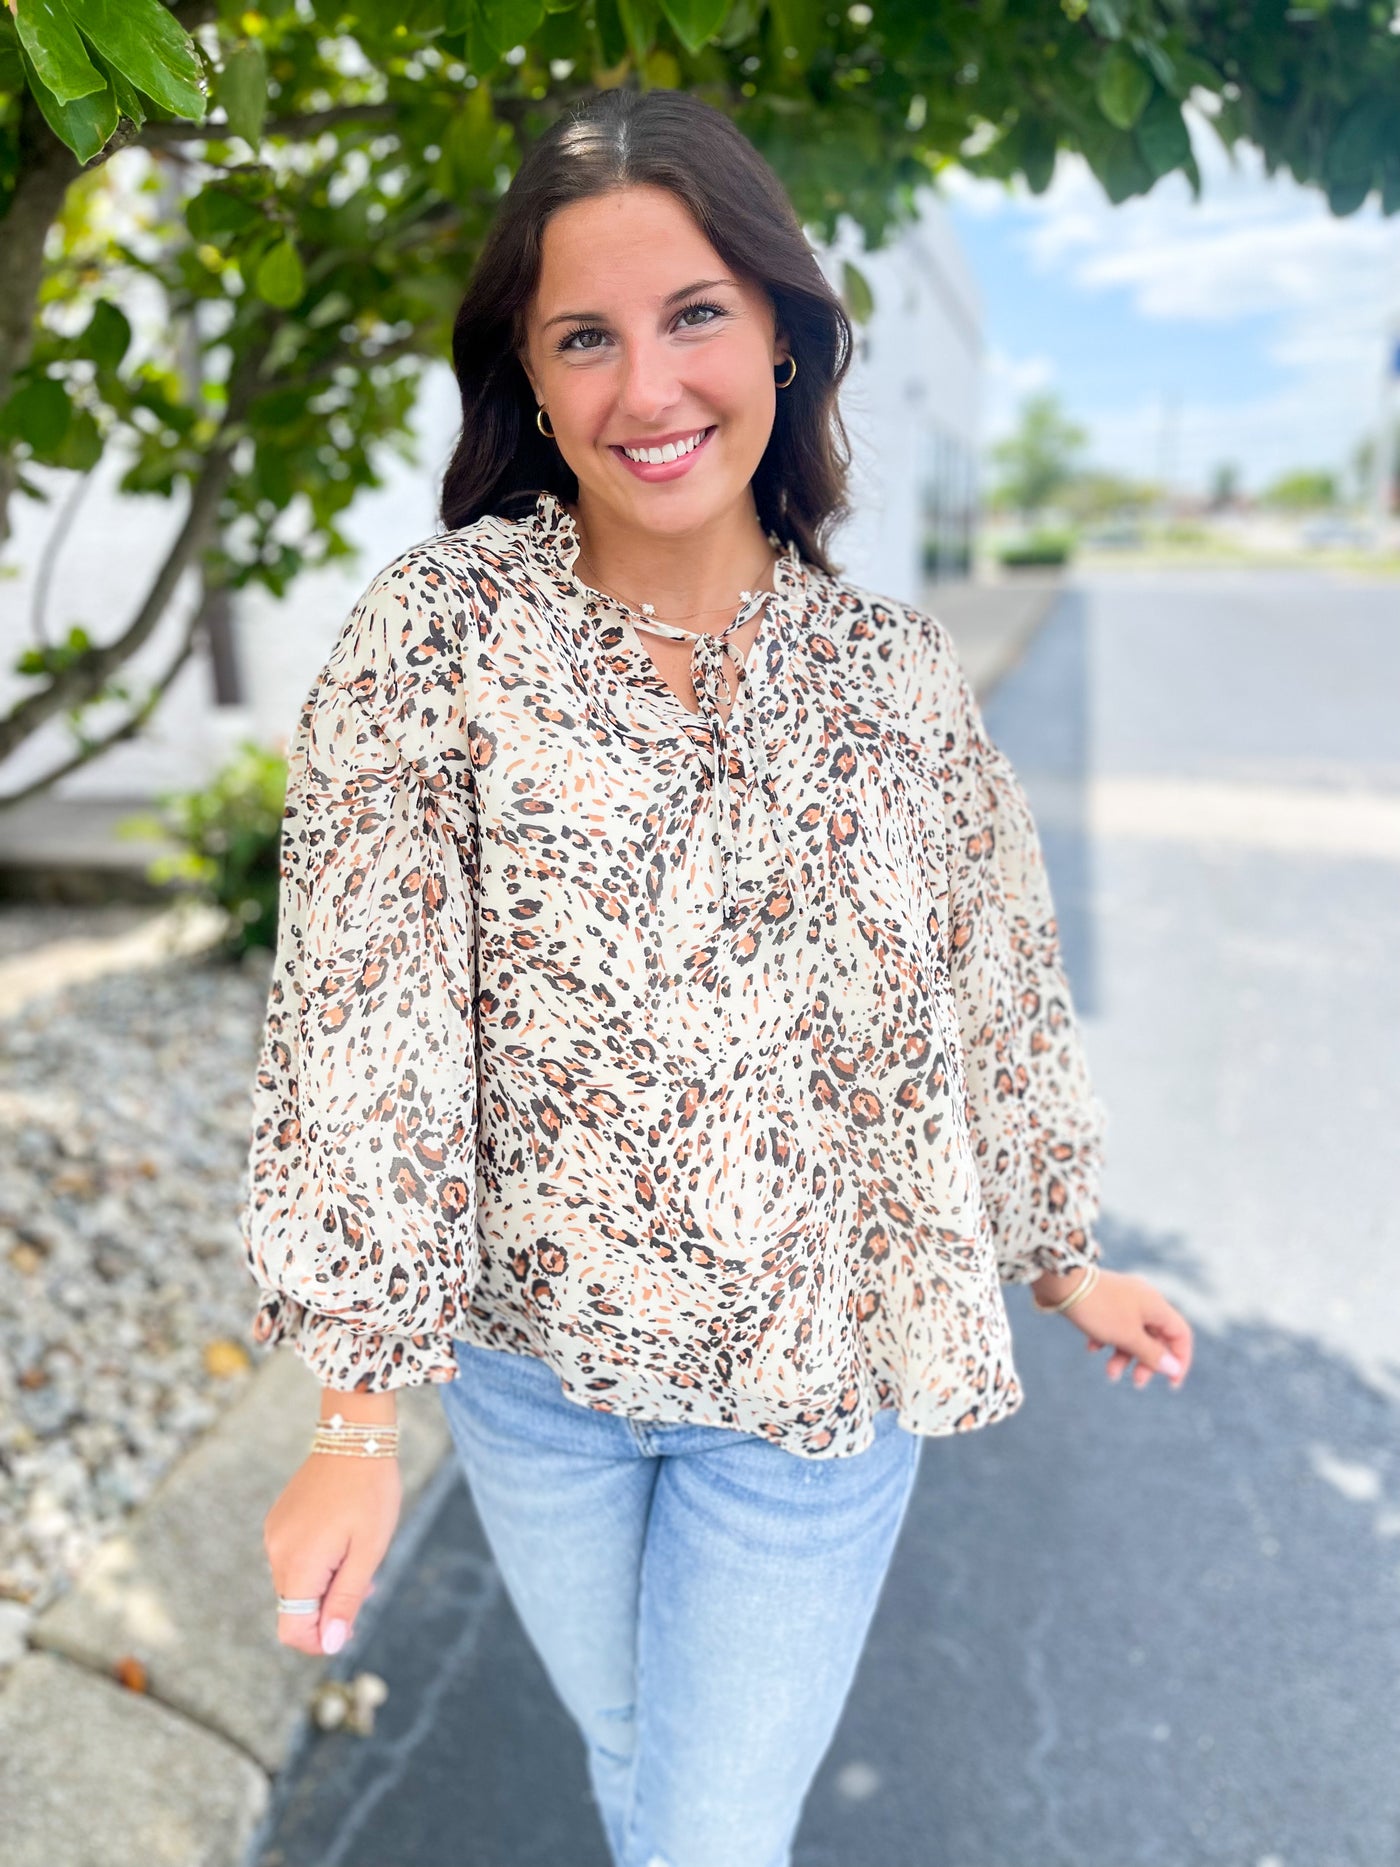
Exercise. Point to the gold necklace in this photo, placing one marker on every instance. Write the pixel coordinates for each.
(649, 609)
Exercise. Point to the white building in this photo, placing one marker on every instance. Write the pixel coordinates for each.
(910, 405)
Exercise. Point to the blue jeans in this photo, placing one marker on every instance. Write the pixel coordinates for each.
(698, 1596)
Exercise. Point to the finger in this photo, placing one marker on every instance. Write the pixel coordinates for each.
(1170, 1328)
(343, 1600)
(300, 1630)
(1154, 1356)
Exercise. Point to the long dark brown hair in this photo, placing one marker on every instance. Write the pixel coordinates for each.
(668, 139)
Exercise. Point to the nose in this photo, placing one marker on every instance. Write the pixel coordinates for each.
(650, 383)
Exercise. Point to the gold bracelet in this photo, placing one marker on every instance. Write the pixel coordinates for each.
(356, 1438)
(338, 1423)
(1082, 1288)
(365, 1449)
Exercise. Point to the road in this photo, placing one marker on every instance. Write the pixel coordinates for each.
(1122, 1628)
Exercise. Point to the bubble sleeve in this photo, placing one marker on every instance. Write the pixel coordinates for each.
(1037, 1126)
(360, 1219)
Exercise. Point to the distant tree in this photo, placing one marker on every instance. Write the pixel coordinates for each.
(1094, 494)
(1305, 490)
(1040, 458)
(1224, 485)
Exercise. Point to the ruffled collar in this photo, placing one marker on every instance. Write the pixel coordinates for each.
(552, 532)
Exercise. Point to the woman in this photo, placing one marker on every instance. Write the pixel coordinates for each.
(668, 1049)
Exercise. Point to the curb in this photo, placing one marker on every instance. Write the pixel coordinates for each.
(94, 1774)
(181, 1773)
(992, 624)
(181, 931)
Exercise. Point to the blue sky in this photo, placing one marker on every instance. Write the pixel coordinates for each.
(1249, 327)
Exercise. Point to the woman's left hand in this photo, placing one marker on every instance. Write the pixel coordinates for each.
(1126, 1313)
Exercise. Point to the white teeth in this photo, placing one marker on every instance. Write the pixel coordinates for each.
(657, 456)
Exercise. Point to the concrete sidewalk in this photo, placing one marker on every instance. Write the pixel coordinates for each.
(96, 1774)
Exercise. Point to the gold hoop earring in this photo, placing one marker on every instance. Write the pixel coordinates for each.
(792, 373)
(548, 433)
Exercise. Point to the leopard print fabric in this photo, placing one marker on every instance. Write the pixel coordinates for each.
(741, 1131)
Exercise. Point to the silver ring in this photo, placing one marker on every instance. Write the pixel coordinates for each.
(288, 1605)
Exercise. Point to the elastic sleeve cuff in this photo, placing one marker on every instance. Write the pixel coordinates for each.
(1075, 1252)
(342, 1356)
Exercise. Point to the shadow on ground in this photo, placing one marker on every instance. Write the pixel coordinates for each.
(1121, 1627)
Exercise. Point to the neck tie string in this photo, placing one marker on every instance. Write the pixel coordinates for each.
(706, 673)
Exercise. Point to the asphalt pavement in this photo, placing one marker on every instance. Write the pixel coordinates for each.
(1122, 1628)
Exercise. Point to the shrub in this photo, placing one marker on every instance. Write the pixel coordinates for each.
(1041, 548)
(229, 843)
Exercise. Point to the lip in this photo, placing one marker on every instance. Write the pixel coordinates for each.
(666, 469)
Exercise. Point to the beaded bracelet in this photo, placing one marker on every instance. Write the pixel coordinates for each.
(1082, 1288)
(356, 1438)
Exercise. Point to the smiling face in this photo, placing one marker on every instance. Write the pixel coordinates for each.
(640, 334)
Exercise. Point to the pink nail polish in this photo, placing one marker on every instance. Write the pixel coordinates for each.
(333, 1639)
(1168, 1362)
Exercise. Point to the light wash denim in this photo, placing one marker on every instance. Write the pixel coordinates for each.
(698, 1596)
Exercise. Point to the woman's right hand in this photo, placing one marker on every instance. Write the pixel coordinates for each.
(325, 1537)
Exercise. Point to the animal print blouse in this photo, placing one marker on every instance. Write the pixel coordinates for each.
(729, 1067)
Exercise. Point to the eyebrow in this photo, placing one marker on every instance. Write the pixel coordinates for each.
(700, 285)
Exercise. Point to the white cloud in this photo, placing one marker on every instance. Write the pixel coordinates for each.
(1253, 245)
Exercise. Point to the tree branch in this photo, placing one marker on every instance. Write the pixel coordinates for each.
(46, 167)
(126, 729)
(401, 346)
(85, 676)
(156, 135)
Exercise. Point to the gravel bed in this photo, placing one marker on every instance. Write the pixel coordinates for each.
(125, 1303)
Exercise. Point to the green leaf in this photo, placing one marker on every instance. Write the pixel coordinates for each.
(1035, 146)
(696, 22)
(38, 412)
(107, 336)
(639, 21)
(506, 23)
(280, 280)
(129, 100)
(215, 212)
(799, 24)
(856, 294)
(1116, 159)
(1123, 88)
(145, 42)
(1358, 143)
(1162, 135)
(55, 45)
(1107, 17)
(740, 23)
(85, 124)
(242, 90)
(1193, 72)
(272, 475)
(81, 446)
(1345, 197)
(1162, 67)
(612, 39)
(469, 147)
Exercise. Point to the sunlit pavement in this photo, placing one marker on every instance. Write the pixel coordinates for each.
(1123, 1628)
